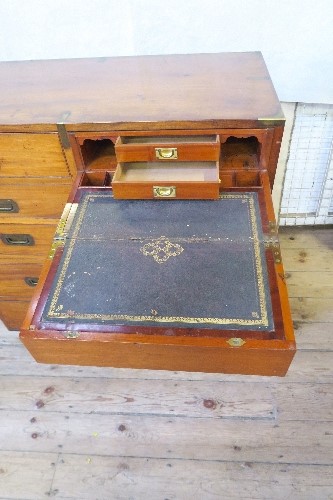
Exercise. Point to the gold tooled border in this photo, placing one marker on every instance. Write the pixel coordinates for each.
(56, 311)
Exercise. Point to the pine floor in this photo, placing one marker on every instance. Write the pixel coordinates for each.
(91, 433)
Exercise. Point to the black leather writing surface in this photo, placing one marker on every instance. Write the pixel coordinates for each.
(186, 263)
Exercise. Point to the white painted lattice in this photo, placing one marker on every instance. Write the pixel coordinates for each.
(307, 196)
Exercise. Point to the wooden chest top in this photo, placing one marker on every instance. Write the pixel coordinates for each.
(166, 91)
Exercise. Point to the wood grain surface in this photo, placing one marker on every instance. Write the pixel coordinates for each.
(210, 90)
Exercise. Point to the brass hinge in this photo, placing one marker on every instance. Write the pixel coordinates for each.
(65, 222)
(272, 226)
(57, 242)
(63, 137)
(59, 237)
(273, 245)
(271, 119)
(60, 231)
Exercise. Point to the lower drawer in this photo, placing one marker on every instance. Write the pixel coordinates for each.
(32, 197)
(182, 180)
(12, 313)
(18, 280)
(26, 240)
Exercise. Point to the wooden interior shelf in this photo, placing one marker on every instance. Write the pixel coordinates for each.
(236, 178)
(97, 178)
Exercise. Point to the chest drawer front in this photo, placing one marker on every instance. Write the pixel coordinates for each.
(25, 240)
(181, 180)
(181, 191)
(173, 148)
(19, 280)
(31, 155)
(28, 197)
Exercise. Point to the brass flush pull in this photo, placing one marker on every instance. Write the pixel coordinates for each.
(164, 191)
(166, 153)
(31, 281)
(17, 239)
(8, 206)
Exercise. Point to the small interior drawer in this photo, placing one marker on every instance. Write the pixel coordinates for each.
(168, 148)
(144, 180)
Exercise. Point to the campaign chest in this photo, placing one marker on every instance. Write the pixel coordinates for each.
(166, 255)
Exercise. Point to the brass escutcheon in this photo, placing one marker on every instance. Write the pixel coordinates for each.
(71, 335)
(236, 342)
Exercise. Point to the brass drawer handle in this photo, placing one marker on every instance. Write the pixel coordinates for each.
(8, 206)
(31, 281)
(166, 153)
(164, 191)
(17, 239)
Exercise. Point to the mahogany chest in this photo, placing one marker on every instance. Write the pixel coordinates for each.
(167, 254)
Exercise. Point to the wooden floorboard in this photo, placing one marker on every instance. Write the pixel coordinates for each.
(139, 397)
(88, 477)
(103, 433)
(314, 311)
(288, 441)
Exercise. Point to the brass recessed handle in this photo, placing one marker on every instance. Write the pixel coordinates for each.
(18, 239)
(166, 153)
(8, 206)
(31, 281)
(164, 191)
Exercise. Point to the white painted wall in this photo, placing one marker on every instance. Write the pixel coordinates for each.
(295, 36)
